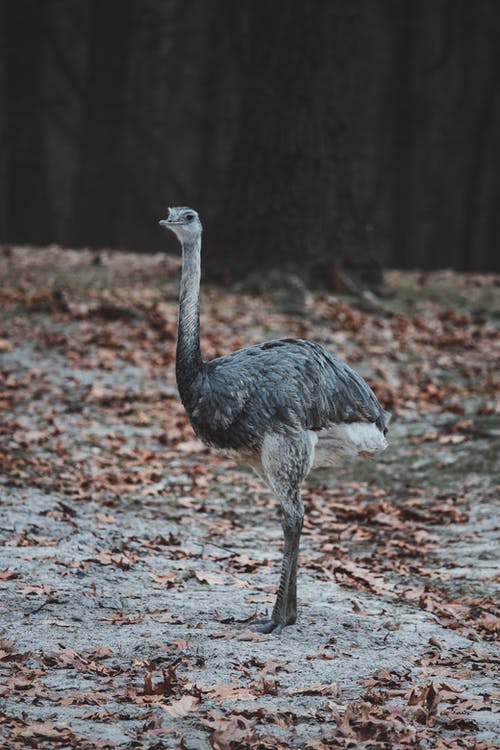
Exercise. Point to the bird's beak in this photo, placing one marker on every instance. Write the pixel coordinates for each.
(168, 222)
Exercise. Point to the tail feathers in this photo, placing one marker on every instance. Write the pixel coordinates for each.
(348, 440)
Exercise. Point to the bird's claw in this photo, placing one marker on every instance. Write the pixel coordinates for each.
(268, 625)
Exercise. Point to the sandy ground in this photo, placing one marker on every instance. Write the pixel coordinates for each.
(125, 611)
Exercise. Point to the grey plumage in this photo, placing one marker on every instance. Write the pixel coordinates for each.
(281, 405)
(280, 386)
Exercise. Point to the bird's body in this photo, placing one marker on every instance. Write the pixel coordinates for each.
(284, 406)
(284, 386)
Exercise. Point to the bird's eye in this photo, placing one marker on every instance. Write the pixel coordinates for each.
(189, 217)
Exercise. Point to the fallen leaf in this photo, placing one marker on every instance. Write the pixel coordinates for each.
(213, 579)
(166, 579)
(183, 706)
(8, 574)
(229, 692)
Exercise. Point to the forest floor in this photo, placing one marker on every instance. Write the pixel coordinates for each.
(133, 559)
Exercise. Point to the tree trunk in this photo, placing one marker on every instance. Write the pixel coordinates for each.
(280, 203)
(101, 174)
(27, 212)
(400, 111)
(481, 196)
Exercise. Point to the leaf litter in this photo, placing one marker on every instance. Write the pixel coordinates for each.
(133, 561)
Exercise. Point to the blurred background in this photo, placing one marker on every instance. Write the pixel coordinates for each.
(303, 131)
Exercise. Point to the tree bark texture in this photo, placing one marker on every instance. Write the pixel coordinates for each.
(305, 132)
(27, 212)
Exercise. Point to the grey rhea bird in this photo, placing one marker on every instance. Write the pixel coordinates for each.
(282, 406)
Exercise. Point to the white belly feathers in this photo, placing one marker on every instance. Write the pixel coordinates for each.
(347, 440)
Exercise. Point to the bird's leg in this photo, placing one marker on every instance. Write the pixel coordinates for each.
(285, 463)
(291, 601)
(285, 607)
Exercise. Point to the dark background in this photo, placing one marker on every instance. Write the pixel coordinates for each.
(301, 130)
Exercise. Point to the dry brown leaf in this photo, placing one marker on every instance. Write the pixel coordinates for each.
(7, 574)
(183, 706)
(167, 617)
(166, 579)
(213, 579)
(316, 688)
(44, 730)
(181, 644)
(232, 731)
(249, 635)
(190, 446)
(229, 692)
(326, 655)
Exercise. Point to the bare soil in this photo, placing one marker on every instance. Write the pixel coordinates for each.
(133, 560)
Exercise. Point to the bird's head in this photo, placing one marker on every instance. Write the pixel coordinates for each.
(184, 223)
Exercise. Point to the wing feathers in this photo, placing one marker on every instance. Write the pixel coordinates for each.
(280, 385)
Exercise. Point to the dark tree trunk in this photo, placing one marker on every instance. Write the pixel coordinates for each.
(308, 133)
(28, 210)
(280, 201)
(481, 194)
(400, 112)
(101, 173)
(219, 101)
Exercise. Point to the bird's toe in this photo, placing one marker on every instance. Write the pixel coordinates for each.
(268, 625)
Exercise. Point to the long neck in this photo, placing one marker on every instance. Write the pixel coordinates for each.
(188, 354)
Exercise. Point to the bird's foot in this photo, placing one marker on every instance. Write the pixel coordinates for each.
(268, 625)
(273, 624)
